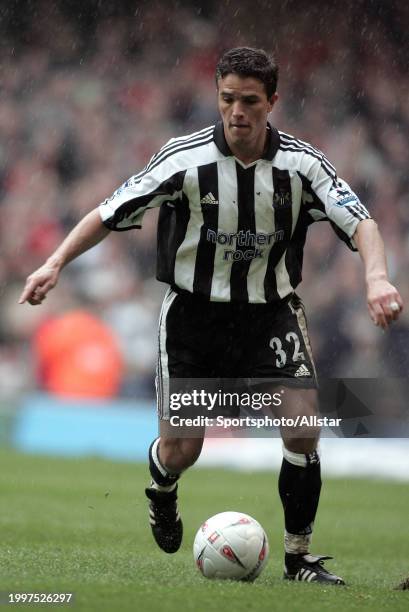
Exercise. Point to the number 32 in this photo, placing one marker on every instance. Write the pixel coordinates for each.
(281, 355)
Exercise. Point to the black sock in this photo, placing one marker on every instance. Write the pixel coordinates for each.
(159, 474)
(299, 486)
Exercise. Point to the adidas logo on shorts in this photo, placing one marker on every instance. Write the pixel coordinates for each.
(302, 371)
(209, 199)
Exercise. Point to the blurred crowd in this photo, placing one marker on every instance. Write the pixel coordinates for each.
(88, 94)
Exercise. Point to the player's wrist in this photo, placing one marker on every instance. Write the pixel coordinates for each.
(56, 262)
(376, 276)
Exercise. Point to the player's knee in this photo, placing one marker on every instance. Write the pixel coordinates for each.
(303, 445)
(178, 454)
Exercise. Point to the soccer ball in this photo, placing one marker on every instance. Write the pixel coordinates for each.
(231, 545)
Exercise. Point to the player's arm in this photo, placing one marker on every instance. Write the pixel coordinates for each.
(384, 300)
(86, 234)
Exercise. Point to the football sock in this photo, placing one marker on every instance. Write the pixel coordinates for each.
(299, 485)
(162, 480)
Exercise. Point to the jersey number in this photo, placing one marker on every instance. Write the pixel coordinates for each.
(281, 355)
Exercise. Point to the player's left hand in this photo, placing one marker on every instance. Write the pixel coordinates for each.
(384, 302)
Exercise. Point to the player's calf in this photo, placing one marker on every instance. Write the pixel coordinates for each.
(164, 517)
(168, 457)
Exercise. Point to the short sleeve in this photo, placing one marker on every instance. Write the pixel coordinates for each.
(329, 198)
(156, 184)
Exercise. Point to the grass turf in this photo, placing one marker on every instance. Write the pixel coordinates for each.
(80, 525)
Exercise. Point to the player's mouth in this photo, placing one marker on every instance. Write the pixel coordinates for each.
(239, 126)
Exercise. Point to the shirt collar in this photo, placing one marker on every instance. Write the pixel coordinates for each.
(273, 141)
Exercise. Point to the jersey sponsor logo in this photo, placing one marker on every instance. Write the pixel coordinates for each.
(209, 199)
(244, 238)
(238, 255)
(343, 196)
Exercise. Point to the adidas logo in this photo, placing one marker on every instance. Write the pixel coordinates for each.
(302, 371)
(209, 199)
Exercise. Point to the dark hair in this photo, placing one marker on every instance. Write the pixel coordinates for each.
(248, 62)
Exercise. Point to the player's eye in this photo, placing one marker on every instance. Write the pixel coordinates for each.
(227, 99)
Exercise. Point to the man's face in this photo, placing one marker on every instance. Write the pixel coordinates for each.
(244, 106)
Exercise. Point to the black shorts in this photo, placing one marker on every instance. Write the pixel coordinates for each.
(217, 340)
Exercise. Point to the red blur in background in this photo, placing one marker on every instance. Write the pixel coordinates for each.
(78, 356)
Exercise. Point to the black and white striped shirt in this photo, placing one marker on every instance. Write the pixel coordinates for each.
(231, 232)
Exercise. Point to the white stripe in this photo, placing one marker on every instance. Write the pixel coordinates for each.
(155, 457)
(284, 286)
(194, 138)
(162, 376)
(186, 253)
(320, 157)
(302, 324)
(182, 140)
(288, 139)
(228, 222)
(183, 147)
(298, 459)
(264, 219)
(135, 192)
(311, 577)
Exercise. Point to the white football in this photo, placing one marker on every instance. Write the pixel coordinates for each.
(231, 545)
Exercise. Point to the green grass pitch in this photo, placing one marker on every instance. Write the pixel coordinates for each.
(80, 525)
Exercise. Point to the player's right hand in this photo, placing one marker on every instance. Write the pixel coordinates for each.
(38, 284)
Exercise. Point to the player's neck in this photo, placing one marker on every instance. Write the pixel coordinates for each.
(248, 153)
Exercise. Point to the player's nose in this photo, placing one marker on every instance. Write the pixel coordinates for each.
(237, 110)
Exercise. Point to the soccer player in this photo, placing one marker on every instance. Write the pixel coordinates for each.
(236, 201)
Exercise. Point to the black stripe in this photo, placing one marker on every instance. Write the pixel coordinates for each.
(170, 146)
(365, 211)
(320, 158)
(297, 255)
(295, 252)
(180, 143)
(158, 158)
(361, 209)
(354, 213)
(246, 225)
(169, 154)
(316, 202)
(172, 226)
(208, 184)
(283, 216)
(184, 139)
(307, 147)
(127, 209)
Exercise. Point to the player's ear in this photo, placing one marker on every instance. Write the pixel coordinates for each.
(273, 100)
